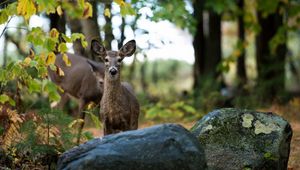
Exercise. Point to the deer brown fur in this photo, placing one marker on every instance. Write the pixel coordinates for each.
(119, 106)
(82, 80)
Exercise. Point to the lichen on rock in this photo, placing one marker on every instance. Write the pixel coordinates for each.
(266, 129)
(247, 120)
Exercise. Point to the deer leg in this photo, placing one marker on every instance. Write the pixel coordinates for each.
(64, 98)
(82, 104)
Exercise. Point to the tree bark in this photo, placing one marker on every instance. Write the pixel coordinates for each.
(241, 66)
(198, 43)
(213, 47)
(91, 30)
(109, 37)
(270, 66)
(122, 29)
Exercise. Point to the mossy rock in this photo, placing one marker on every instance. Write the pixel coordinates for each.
(161, 147)
(244, 139)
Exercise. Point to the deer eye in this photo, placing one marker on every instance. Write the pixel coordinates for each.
(106, 60)
(119, 60)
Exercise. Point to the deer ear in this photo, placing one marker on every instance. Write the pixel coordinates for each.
(98, 48)
(128, 49)
(92, 65)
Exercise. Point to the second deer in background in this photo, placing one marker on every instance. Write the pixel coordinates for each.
(119, 106)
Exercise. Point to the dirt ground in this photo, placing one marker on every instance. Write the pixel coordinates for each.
(292, 116)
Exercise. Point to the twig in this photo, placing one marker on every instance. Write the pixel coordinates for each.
(6, 26)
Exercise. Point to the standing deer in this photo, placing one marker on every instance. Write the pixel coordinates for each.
(82, 80)
(119, 107)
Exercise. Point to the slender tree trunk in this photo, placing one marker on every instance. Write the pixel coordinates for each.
(270, 66)
(122, 38)
(198, 43)
(58, 22)
(241, 66)
(213, 47)
(5, 52)
(109, 37)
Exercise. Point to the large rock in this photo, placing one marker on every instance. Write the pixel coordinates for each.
(160, 147)
(244, 139)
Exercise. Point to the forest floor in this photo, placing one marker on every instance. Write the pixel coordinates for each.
(291, 115)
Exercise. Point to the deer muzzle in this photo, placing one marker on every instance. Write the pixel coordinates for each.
(113, 70)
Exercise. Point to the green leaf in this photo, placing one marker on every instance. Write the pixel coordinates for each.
(5, 98)
(3, 17)
(267, 7)
(51, 89)
(126, 9)
(62, 47)
(95, 119)
(88, 135)
(34, 85)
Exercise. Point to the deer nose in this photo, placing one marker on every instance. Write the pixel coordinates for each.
(113, 71)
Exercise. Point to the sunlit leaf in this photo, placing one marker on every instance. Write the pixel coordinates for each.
(66, 60)
(62, 47)
(107, 12)
(88, 10)
(26, 8)
(119, 2)
(27, 61)
(59, 10)
(54, 33)
(4, 98)
(51, 58)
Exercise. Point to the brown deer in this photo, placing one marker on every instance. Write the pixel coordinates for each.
(119, 107)
(82, 80)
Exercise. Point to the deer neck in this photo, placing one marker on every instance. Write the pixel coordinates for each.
(112, 87)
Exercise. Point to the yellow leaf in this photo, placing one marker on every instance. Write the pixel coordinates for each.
(88, 10)
(66, 60)
(107, 12)
(54, 33)
(60, 89)
(60, 72)
(51, 58)
(27, 61)
(26, 8)
(119, 2)
(91, 105)
(59, 10)
(74, 122)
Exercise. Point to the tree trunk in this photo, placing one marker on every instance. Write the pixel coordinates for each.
(90, 29)
(241, 67)
(213, 47)
(198, 43)
(270, 66)
(58, 22)
(122, 29)
(109, 37)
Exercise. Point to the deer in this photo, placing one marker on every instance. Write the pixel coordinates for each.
(119, 106)
(82, 80)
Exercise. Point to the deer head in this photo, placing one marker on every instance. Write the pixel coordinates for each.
(113, 59)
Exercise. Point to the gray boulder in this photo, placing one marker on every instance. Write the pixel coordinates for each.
(244, 139)
(161, 147)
